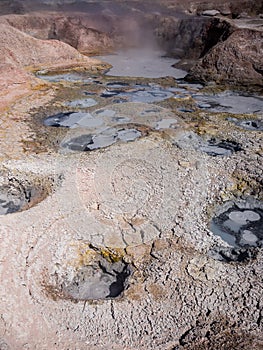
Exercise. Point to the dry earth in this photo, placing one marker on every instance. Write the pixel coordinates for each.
(132, 220)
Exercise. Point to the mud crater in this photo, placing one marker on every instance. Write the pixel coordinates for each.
(248, 124)
(239, 223)
(97, 275)
(20, 192)
(101, 280)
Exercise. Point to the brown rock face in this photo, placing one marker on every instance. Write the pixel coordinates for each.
(191, 37)
(19, 50)
(78, 31)
(75, 33)
(237, 60)
(24, 50)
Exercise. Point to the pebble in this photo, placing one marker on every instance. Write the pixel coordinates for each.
(211, 13)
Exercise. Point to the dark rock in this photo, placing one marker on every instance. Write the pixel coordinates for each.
(237, 60)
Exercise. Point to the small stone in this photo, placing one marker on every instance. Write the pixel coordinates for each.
(184, 164)
(211, 13)
(204, 105)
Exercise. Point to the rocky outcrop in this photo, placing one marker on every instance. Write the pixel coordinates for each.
(232, 8)
(190, 37)
(79, 35)
(24, 50)
(19, 50)
(78, 31)
(237, 60)
(214, 49)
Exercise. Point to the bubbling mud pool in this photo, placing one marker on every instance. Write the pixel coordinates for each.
(239, 223)
(19, 192)
(132, 103)
(142, 63)
(231, 102)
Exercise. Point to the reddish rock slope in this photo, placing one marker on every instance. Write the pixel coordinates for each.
(19, 50)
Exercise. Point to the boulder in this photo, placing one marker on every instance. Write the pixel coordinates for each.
(237, 60)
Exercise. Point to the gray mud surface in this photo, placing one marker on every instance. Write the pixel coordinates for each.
(121, 254)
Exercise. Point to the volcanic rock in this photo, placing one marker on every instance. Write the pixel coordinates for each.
(237, 60)
(76, 30)
(19, 50)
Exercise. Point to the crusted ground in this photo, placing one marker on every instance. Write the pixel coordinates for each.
(132, 219)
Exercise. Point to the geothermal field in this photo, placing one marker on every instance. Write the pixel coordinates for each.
(131, 202)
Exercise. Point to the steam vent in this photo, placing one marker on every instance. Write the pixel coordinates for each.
(131, 163)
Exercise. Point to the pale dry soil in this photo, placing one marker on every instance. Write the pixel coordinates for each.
(147, 204)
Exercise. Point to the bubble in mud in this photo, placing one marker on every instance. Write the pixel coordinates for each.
(79, 143)
(88, 142)
(100, 279)
(240, 225)
(69, 77)
(117, 85)
(128, 134)
(166, 123)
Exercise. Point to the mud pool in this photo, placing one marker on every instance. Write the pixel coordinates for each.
(133, 109)
(231, 102)
(146, 63)
(241, 224)
(158, 202)
(20, 192)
